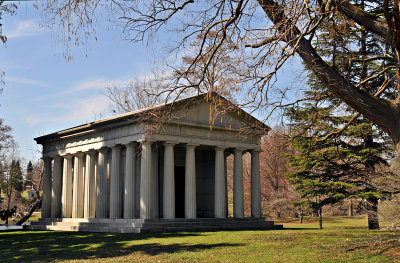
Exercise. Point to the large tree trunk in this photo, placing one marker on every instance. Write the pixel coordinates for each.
(372, 211)
(8, 206)
(320, 217)
(278, 214)
(380, 111)
(351, 208)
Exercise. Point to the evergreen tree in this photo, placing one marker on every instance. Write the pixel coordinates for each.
(29, 174)
(12, 185)
(16, 178)
(316, 172)
(334, 143)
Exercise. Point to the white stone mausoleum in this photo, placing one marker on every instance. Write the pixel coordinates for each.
(156, 169)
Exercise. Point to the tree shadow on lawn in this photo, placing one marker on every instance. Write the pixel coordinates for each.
(300, 228)
(24, 246)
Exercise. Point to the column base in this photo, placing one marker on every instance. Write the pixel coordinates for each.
(151, 225)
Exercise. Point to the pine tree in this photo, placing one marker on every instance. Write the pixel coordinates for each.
(317, 175)
(334, 143)
(16, 177)
(12, 184)
(29, 174)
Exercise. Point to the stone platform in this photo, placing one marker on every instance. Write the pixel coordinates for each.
(151, 225)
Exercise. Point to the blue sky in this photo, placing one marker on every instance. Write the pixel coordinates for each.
(44, 93)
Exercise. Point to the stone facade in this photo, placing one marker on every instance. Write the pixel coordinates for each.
(119, 168)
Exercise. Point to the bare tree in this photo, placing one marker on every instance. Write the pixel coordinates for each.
(36, 202)
(5, 9)
(267, 33)
(134, 94)
(277, 193)
(10, 179)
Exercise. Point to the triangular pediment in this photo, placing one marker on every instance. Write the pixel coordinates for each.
(206, 110)
(215, 111)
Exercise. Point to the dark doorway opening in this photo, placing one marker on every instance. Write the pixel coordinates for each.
(179, 192)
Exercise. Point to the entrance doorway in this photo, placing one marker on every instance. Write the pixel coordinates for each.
(179, 192)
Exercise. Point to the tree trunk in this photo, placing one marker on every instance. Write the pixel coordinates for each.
(37, 205)
(278, 214)
(8, 207)
(351, 208)
(320, 217)
(301, 218)
(372, 211)
(315, 213)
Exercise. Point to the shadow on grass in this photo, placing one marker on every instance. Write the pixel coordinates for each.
(24, 246)
(300, 228)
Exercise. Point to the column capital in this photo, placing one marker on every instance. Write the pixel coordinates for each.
(238, 150)
(79, 155)
(191, 145)
(68, 156)
(116, 147)
(256, 150)
(146, 141)
(56, 157)
(104, 149)
(220, 148)
(131, 145)
(170, 143)
(91, 152)
(47, 158)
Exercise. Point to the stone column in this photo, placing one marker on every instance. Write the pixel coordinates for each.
(47, 182)
(255, 184)
(78, 185)
(115, 184)
(145, 180)
(129, 190)
(154, 183)
(56, 187)
(238, 194)
(190, 182)
(226, 183)
(219, 196)
(89, 210)
(66, 199)
(169, 181)
(102, 188)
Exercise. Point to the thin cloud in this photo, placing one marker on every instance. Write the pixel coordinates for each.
(90, 84)
(25, 28)
(82, 111)
(26, 81)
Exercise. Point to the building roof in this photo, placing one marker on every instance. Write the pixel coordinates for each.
(135, 116)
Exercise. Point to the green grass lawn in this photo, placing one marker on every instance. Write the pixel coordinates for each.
(342, 240)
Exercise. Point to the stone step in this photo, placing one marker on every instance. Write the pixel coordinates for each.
(151, 225)
(178, 229)
(137, 220)
(114, 229)
(141, 222)
(86, 224)
(93, 220)
(161, 224)
(155, 224)
(104, 229)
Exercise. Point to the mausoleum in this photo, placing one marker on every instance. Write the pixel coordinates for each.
(161, 168)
